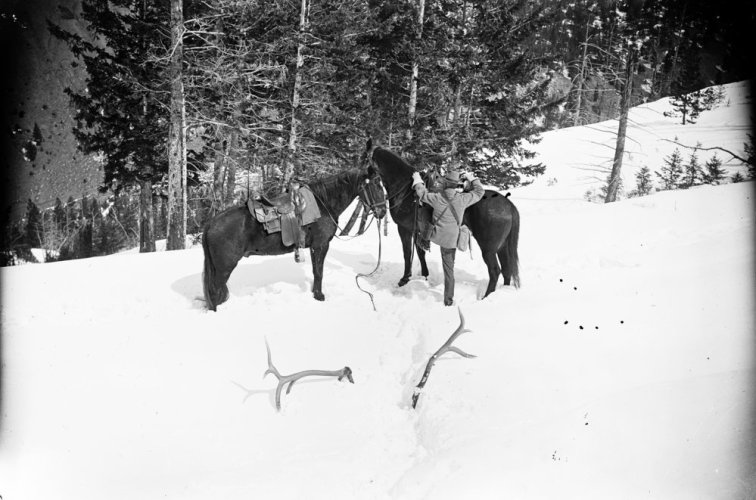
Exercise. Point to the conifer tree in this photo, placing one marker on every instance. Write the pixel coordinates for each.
(59, 215)
(121, 111)
(643, 184)
(737, 177)
(692, 174)
(33, 230)
(714, 173)
(750, 152)
(672, 171)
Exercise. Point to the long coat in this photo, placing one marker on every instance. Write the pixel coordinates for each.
(447, 229)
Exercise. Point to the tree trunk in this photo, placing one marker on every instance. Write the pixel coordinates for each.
(176, 151)
(619, 151)
(352, 220)
(146, 217)
(85, 233)
(295, 98)
(363, 222)
(231, 170)
(217, 204)
(412, 111)
(581, 79)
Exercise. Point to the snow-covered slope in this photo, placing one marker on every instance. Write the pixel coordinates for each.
(623, 367)
(579, 159)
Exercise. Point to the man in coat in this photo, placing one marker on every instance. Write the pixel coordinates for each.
(447, 227)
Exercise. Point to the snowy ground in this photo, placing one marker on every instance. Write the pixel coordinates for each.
(623, 367)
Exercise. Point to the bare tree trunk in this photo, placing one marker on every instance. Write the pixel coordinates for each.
(231, 170)
(352, 220)
(581, 79)
(295, 98)
(619, 151)
(415, 72)
(176, 151)
(146, 217)
(217, 204)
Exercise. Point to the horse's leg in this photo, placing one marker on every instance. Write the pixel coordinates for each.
(504, 262)
(489, 258)
(317, 254)
(406, 236)
(220, 260)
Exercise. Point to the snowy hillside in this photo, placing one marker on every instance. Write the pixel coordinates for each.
(579, 159)
(623, 367)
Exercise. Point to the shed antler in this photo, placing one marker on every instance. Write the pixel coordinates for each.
(447, 347)
(290, 379)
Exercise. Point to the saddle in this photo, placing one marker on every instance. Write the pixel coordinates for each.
(286, 213)
(280, 214)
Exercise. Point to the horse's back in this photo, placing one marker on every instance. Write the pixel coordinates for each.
(492, 219)
(494, 207)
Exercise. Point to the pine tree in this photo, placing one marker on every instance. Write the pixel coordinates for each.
(750, 157)
(738, 177)
(59, 215)
(643, 184)
(33, 230)
(672, 171)
(121, 111)
(693, 174)
(714, 173)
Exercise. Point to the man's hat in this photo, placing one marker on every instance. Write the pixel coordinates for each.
(452, 177)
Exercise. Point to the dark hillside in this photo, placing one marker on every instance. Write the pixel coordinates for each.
(39, 159)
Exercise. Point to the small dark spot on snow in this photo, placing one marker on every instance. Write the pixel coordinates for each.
(596, 328)
(561, 280)
(565, 322)
(622, 322)
(574, 288)
(581, 327)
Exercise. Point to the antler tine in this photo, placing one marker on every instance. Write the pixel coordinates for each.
(290, 379)
(271, 369)
(460, 329)
(447, 347)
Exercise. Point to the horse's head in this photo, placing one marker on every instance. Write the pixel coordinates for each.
(371, 192)
(434, 179)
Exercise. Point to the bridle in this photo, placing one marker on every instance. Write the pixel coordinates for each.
(367, 197)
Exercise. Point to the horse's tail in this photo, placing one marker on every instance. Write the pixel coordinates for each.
(214, 294)
(511, 265)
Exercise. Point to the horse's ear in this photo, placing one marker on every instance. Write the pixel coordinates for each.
(369, 144)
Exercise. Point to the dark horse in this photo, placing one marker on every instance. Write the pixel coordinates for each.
(494, 221)
(235, 233)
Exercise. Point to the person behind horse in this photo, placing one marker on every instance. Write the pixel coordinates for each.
(299, 205)
(447, 228)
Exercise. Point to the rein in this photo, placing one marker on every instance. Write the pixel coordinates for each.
(377, 265)
(372, 205)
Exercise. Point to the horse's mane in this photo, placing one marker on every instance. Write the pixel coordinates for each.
(393, 161)
(320, 186)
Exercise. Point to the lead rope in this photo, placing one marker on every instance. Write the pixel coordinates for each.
(377, 265)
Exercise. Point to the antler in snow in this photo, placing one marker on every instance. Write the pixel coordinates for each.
(290, 379)
(447, 347)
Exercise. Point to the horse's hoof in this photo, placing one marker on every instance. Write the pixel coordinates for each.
(403, 281)
(319, 296)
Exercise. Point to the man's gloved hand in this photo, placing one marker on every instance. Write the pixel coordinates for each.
(467, 176)
(416, 179)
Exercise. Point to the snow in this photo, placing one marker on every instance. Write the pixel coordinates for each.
(117, 383)
(580, 158)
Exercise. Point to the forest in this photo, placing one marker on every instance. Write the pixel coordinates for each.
(191, 105)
